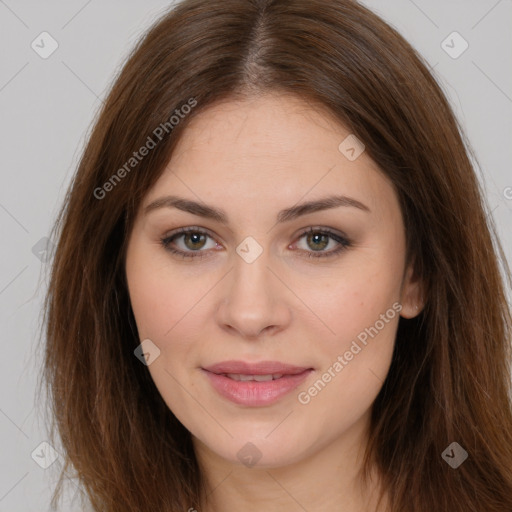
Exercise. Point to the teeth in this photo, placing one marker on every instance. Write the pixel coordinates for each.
(258, 378)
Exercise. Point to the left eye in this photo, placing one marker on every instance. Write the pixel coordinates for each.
(195, 240)
(320, 238)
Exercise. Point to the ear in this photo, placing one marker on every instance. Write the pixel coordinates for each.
(411, 296)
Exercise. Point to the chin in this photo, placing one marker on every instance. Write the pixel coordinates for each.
(256, 452)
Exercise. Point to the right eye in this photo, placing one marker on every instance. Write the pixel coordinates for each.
(193, 241)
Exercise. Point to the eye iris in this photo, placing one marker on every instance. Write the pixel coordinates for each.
(196, 239)
(316, 240)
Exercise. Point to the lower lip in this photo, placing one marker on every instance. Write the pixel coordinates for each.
(254, 393)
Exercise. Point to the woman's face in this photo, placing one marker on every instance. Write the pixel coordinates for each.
(251, 285)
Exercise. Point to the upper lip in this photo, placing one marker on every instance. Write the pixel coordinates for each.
(261, 368)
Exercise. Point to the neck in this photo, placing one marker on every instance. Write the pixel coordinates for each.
(326, 479)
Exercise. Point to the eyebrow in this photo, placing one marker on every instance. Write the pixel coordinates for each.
(288, 214)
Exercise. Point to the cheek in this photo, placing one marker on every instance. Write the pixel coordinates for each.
(361, 309)
(162, 296)
(166, 307)
(353, 298)
(364, 315)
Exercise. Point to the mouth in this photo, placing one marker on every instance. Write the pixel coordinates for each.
(255, 384)
(257, 378)
(262, 368)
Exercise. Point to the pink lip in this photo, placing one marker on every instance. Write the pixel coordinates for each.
(261, 368)
(253, 393)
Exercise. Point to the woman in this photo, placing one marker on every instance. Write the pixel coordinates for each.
(275, 285)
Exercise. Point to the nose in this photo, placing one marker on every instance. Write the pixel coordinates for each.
(253, 300)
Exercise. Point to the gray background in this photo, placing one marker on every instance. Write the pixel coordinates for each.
(48, 105)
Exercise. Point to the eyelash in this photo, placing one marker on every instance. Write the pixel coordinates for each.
(343, 242)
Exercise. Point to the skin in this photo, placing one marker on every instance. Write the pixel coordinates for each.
(252, 158)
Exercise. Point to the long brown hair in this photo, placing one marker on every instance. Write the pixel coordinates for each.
(450, 378)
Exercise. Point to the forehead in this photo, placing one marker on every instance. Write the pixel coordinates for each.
(275, 145)
(272, 126)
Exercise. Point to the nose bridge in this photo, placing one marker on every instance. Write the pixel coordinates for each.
(252, 300)
(251, 276)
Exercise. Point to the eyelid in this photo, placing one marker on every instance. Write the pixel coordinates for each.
(324, 230)
(340, 238)
(187, 229)
(168, 238)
